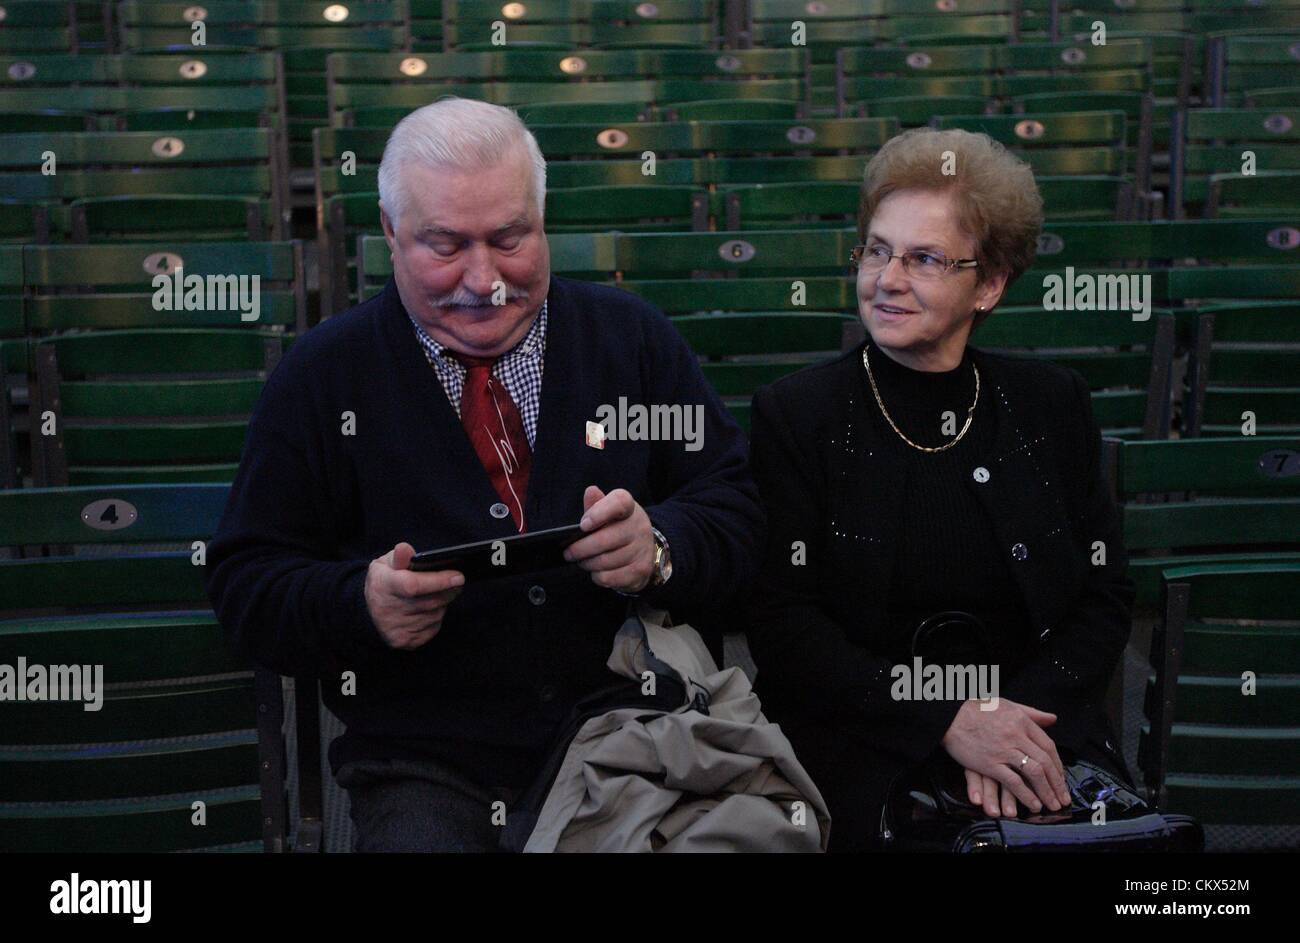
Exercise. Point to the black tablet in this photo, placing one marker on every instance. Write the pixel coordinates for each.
(503, 556)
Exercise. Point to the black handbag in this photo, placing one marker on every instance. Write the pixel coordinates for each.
(926, 809)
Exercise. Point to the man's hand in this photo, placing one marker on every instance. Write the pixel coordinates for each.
(408, 607)
(619, 549)
(995, 745)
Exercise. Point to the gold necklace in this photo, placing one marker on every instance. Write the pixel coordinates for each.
(970, 413)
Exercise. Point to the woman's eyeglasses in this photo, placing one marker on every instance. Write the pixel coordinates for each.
(917, 264)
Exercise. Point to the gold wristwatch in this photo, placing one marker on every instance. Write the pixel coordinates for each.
(663, 565)
(663, 560)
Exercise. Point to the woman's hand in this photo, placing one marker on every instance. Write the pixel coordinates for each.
(994, 797)
(1008, 746)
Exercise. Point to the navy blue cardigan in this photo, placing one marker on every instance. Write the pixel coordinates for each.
(311, 506)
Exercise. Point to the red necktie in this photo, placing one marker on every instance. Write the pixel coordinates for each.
(495, 429)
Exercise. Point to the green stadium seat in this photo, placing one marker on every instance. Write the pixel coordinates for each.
(110, 287)
(865, 74)
(601, 23)
(202, 81)
(741, 352)
(1286, 96)
(1147, 123)
(1242, 60)
(1265, 193)
(426, 25)
(177, 726)
(840, 136)
(1228, 504)
(138, 406)
(1245, 359)
(912, 111)
(522, 77)
(1213, 748)
(38, 26)
(1054, 144)
(1127, 364)
(304, 34)
(1212, 145)
(183, 721)
(234, 162)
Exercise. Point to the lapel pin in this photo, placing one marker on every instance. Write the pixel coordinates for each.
(595, 435)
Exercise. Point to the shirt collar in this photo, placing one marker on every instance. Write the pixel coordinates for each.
(533, 344)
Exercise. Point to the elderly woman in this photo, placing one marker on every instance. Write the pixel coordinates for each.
(917, 476)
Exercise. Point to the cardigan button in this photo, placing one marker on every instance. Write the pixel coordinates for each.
(546, 693)
(499, 510)
(981, 474)
(536, 595)
(1020, 552)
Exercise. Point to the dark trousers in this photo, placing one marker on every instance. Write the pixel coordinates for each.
(404, 805)
(852, 777)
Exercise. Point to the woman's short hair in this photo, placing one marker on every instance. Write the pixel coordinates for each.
(997, 200)
(456, 132)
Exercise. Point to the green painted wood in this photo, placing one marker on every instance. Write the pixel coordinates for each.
(191, 350)
(914, 110)
(687, 296)
(1215, 646)
(1263, 800)
(136, 147)
(62, 265)
(122, 399)
(748, 334)
(101, 99)
(722, 137)
(1211, 523)
(1058, 128)
(1206, 466)
(199, 218)
(1227, 751)
(131, 647)
(742, 379)
(1117, 409)
(140, 713)
(1064, 329)
(1147, 571)
(126, 311)
(1272, 322)
(1243, 590)
(162, 443)
(140, 826)
(614, 205)
(1209, 699)
(221, 12)
(140, 580)
(1274, 409)
(171, 474)
(1243, 124)
(122, 771)
(548, 66)
(31, 516)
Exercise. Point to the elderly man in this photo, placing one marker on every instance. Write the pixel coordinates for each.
(457, 406)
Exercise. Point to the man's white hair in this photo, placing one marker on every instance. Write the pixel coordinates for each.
(455, 132)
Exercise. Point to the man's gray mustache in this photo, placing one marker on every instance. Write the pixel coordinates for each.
(474, 301)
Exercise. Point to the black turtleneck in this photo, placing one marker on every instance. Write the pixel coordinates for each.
(947, 556)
